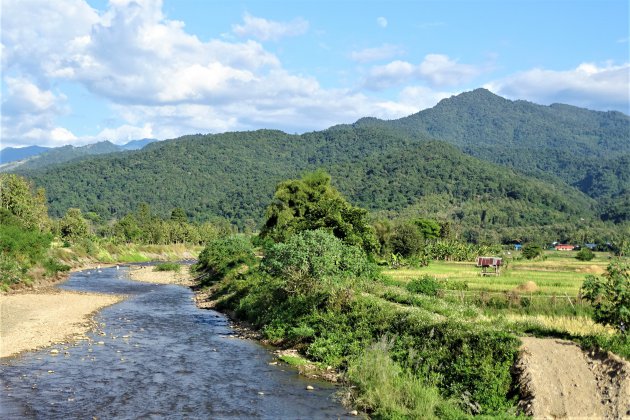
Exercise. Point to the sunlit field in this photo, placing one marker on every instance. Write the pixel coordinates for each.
(559, 273)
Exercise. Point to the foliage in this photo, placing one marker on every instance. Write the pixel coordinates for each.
(531, 251)
(317, 265)
(388, 391)
(221, 256)
(425, 285)
(167, 266)
(311, 203)
(73, 226)
(19, 198)
(406, 240)
(610, 296)
(585, 254)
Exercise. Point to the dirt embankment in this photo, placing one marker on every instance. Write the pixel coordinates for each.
(147, 275)
(559, 380)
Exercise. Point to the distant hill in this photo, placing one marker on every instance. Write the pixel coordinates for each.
(587, 149)
(497, 166)
(10, 154)
(35, 157)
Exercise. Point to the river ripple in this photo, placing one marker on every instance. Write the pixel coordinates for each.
(160, 357)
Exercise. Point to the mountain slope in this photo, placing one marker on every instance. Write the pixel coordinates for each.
(36, 157)
(11, 154)
(233, 175)
(550, 142)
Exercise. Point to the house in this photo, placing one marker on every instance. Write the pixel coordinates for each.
(564, 247)
(517, 247)
(591, 246)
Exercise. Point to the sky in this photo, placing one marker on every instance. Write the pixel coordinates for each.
(80, 71)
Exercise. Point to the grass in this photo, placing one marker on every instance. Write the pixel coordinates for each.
(168, 266)
(559, 274)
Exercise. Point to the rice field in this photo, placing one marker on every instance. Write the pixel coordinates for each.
(559, 274)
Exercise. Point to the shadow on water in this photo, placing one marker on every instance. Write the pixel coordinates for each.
(156, 355)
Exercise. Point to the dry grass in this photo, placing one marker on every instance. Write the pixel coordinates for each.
(575, 325)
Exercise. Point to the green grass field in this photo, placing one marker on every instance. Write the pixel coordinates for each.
(559, 273)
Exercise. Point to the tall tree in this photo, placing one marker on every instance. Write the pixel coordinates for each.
(311, 203)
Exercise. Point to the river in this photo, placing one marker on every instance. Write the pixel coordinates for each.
(156, 355)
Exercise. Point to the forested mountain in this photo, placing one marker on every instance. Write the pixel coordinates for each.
(10, 154)
(389, 167)
(36, 157)
(587, 149)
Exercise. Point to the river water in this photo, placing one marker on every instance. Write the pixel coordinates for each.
(156, 355)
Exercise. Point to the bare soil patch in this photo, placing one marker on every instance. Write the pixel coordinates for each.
(559, 380)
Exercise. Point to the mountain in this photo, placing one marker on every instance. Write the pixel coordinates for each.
(10, 154)
(576, 145)
(136, 144)
(483, 162)
(36, 157)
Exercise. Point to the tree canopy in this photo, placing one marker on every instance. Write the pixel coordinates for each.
(311, 203)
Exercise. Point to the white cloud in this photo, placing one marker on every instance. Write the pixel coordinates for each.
(383, 52)
(29, 113)
(436, 69)
(589, 85)
(381, 21)
(269, 30)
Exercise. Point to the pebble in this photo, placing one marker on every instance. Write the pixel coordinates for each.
(261, 393)
(309, 387)
(101, 343)
(54, 351)
(273, 363)
(354, 413)
(51, 371)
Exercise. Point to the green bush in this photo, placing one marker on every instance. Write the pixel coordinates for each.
(167, 266)
(317, 262)
(425, 285)
(610, 296)
(585, 254)
(221, 256)
(531, 251)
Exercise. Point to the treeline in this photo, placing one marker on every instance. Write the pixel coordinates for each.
(30, 240)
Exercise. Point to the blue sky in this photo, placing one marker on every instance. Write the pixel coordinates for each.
(76, 71)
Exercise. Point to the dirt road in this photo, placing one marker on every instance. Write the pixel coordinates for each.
(559, 380)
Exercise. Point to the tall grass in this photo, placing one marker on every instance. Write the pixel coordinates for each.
(388, 391)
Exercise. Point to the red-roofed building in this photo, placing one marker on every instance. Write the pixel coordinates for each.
(565, 247)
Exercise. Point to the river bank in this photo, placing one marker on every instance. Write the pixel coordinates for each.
(45, 317)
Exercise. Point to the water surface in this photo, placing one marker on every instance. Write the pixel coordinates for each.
(156, 355)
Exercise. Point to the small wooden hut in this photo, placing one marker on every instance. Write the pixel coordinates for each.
(490, 266)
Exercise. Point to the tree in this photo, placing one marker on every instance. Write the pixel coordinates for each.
(311, 203)
(73, 225)
(610, 296)
(585, 254)
(406, 240)
(18, 196)
(531, 251)
(179, 215)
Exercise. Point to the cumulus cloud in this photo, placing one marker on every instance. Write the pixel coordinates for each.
(269, 30)
(436, 69)
(382, 52)
(381, 21)
(29, 113)
(589, 85)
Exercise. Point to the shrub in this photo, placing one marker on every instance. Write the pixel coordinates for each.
(531, 251)
(221, 256)
(610, 296)
(314, 262)
(167, 266)
(585, 254)
(425, 285)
